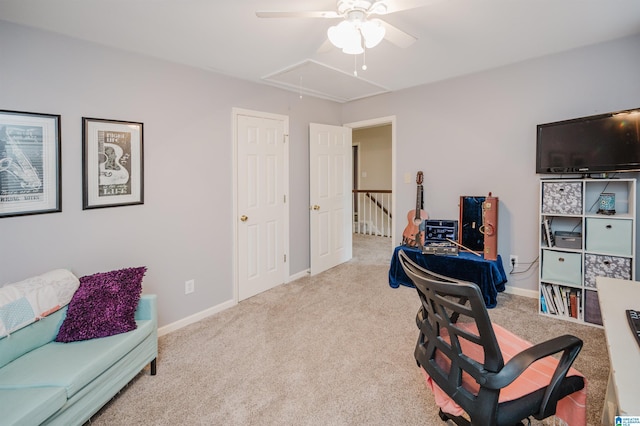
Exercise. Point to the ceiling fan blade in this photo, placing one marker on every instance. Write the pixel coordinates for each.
(326, 46)
(317, 14)
(397, 36)
(399, 5)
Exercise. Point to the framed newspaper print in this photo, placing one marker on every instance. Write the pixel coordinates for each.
(30, 165)
(112, 172)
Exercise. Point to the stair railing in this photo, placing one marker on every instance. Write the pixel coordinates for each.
(372, 212)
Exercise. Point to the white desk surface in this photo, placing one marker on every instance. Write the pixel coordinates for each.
(615, 297)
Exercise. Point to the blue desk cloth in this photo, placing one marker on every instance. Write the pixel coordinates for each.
(489, 275)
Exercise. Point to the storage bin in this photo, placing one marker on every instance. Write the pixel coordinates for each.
(610, 236)
(605, 266)
(592, 308)
(562, 198)
(562, 267)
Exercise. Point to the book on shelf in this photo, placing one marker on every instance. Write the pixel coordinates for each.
(564, 292)
(580, 309)
(558, 299)
(543, 304)
(562, 301)
(573, 302)
(545, 294)
(548, 235)
(548, 296)
(573, 298)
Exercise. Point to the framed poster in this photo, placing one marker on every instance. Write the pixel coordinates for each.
(30, 165)
(112, 173)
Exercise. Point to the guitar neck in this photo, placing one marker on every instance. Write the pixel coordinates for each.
(418, 201)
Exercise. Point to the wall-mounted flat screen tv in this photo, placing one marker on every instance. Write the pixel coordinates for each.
(595, 144)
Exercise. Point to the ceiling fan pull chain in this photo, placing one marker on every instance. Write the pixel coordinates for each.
(300, 88)
(355, 65)
(364, 59)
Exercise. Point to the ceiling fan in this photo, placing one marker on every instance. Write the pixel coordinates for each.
(359, 26)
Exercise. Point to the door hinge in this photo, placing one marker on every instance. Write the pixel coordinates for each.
(285, 258)
(285, 138)
(284, 198)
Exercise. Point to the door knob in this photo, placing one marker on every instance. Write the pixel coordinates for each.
(316, 207)
(243, 218)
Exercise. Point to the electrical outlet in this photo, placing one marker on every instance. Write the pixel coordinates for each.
(514, 260)
(189, 286)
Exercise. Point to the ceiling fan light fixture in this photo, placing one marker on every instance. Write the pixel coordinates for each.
(373, 32)
(341, 34)
(349, 34)
(353, 45)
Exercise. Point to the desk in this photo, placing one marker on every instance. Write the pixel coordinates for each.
(622, 397)
(489, 275)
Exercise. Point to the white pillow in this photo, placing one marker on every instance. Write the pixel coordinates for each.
(27, 301)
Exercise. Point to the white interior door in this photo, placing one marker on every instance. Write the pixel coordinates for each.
(262, 218)
(330, 194)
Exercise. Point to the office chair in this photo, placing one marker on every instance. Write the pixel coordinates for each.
(459, 351)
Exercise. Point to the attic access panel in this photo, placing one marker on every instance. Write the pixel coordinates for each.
(315, 79)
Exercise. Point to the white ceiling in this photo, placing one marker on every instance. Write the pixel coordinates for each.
(455, 37)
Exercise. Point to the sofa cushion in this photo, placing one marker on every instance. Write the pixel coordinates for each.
(30, 406)
(25, 302)
(71, 365)
(28, 338)
(104, 305)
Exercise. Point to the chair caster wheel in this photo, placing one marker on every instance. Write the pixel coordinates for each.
(443, 415)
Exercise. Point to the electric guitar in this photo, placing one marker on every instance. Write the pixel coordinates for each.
(412, 235)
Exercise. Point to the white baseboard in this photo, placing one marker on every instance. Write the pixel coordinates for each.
(298, 275)
(195, 318)
(169, 328)
(521, 291)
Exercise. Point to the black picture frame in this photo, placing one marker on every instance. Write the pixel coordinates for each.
(30, 163)
(113, 163)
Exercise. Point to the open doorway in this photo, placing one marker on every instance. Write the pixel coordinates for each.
(374, 177)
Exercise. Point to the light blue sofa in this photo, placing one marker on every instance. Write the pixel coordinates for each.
(52, 383)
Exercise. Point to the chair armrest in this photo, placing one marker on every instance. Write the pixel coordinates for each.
(147, 308)
(569, 345)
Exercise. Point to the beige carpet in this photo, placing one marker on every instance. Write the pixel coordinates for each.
(335, 349)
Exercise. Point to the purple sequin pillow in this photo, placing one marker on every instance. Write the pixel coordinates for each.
(104, 305)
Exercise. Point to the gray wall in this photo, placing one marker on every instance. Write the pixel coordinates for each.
(470, 135)
(476, 134)
(183, 231)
